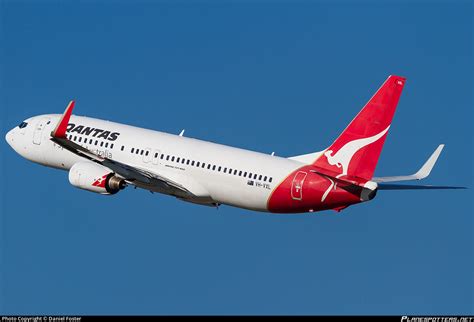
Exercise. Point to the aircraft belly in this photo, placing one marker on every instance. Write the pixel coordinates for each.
(238, 196)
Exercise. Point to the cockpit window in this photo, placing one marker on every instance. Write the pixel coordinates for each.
(22, 125)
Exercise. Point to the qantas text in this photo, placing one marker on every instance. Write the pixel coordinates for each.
(91, 131)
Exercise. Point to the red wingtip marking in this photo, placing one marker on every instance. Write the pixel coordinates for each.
(60, 130)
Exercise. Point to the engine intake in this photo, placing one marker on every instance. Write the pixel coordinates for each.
(95, 178)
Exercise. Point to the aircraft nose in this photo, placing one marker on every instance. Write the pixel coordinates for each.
(9, 137)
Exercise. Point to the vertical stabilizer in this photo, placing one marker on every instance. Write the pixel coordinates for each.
(356, 151)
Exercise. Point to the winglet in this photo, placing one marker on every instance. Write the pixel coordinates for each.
(60, 129)
(424, 171)
(429, 164)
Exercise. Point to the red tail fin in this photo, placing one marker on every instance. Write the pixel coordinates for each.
(356, 151)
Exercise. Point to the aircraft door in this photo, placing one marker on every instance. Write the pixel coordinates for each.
(297, 185)
(38, 131)
(155, 157)
(147, 155)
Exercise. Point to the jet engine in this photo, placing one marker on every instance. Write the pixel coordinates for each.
(96, 178)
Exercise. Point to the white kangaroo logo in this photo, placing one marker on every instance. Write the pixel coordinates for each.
(343, 157)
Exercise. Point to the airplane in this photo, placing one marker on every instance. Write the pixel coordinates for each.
(105, 157)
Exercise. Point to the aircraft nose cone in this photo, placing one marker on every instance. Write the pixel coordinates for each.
(9, 138)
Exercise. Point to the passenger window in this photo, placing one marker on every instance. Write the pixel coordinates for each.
(167, 158)
(182, 161)
(255, 176)
(265, 178)
(147, 152)
(141, 152)
(235, 172)
(192, 163)
(203, 165)
(240, 173)
(172, 158)
(214, 167)
(80, 139)
(90, 141)
(96, 142)
(219, 169)
(208, 166)
(187, 162)
(112, 146)
(270, 180)
(162, 156)
(102, 143)
(245, 174)
(225, 170)
(75, 137)
(156, 155)
(250, 175)
(198, 164)
(260, 177)
(123, 147)
(178, 159)
(133, 149)
(106, 144)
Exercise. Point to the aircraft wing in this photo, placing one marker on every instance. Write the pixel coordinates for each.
(422, 173)
(131, 174)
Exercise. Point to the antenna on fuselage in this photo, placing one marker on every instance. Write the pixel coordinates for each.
(182, 132)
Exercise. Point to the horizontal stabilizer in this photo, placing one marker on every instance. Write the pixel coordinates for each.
(392, 186)
(424, 171)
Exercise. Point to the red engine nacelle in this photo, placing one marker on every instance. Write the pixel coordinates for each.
(96, 178)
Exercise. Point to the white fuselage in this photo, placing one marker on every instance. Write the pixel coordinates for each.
(223, 179)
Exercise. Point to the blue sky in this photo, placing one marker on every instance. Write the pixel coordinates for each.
(266, 76)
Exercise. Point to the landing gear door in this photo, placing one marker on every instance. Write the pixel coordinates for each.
(38, 132)
(297, 185)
